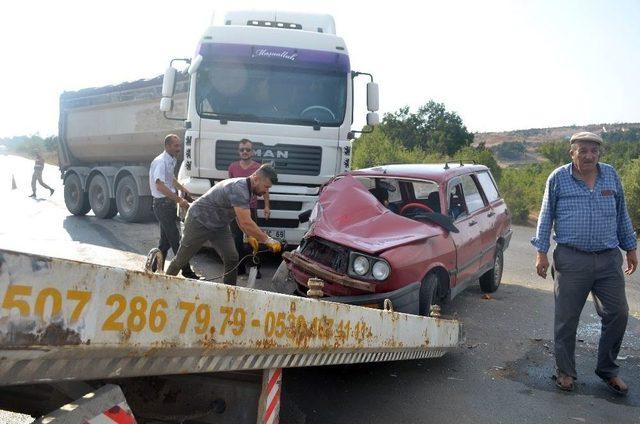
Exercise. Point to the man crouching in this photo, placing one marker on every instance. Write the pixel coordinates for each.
(209, 217)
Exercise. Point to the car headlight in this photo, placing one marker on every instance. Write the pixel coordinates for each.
(361, 265)
(380, 270)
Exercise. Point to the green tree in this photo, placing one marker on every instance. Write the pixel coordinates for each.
(432, 128)
(482, 156)
(376, 148)
(556, 152)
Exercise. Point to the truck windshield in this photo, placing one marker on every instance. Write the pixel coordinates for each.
(272, 94)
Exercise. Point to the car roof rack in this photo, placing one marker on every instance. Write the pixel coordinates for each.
(459, 161)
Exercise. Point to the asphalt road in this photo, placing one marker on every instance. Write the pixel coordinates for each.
(502, 374)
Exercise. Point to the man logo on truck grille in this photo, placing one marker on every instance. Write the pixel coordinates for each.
(272, 154)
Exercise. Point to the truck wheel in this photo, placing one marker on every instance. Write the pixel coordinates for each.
(490, 280)
(131, 206)
(75, 198)
(429, 293)
(102, 205)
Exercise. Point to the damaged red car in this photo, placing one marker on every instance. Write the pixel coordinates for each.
(414, 234)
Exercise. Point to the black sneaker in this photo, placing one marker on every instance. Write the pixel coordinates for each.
(52, 190)
(33, 195)
(190, 274)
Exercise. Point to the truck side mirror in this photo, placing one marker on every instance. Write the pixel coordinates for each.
(166, 104)
(169, 82)
(372, 119)
(168, 88)
(372, 97)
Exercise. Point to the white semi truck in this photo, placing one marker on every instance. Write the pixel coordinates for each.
(282, 80)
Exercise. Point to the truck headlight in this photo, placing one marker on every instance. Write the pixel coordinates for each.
(380, 270)
(361, 265)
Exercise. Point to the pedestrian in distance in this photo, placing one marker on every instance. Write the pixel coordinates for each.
(243, 168)
(584, 203)
(37, 176)
(209, 217)
(164, 186)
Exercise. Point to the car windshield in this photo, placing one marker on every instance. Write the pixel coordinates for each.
(271, 94)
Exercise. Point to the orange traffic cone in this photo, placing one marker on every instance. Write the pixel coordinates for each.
(13, 182)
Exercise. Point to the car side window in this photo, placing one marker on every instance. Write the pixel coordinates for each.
(472, 196)
(457, 207)
(488, 186)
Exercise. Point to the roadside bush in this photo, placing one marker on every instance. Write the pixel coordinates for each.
(482, 156)
(514, 150)
(522, 189)
(620, 154)
(631, 185)
(556, 152)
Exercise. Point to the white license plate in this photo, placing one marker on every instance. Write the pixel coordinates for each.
(277, 234)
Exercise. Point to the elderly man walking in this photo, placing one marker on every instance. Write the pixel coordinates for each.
(584, 203)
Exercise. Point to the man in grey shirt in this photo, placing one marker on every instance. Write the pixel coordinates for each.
(209, 218)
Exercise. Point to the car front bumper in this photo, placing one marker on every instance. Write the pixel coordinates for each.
(405, 299)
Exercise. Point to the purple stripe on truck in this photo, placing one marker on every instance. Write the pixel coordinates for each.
(270, 55)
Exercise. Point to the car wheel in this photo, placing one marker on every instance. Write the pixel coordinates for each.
(281, 282)
(131, 206)
(429, 293)
(490, 280)
(76, 199)
(102, 205)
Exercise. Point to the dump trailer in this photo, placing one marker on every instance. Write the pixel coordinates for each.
(108, 137)
(108, 341)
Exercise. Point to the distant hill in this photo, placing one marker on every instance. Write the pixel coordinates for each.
(541, 135)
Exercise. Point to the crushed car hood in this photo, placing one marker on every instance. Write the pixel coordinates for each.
(352, 217)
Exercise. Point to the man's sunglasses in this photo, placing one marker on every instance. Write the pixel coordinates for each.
(244, 149)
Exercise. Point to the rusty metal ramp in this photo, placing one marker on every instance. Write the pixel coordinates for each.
(69, 320)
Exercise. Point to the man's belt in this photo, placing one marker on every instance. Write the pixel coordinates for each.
(595, 252)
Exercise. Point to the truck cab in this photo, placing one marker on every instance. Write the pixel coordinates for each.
(284, 81)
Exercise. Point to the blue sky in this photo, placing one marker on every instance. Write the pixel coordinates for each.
(499, 64)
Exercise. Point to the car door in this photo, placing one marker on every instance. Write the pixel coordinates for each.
(493, 218)
(468, 241)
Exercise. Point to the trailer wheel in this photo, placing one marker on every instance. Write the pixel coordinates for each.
(75, 198)
(490, 280)
(102, 205)
(131, 206)
(429, 293)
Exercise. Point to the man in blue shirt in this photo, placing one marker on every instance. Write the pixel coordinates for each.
(584, 203)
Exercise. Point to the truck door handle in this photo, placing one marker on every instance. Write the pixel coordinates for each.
(490, 214)
(472, 223)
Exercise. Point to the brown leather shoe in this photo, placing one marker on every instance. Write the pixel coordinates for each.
(564, 382)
